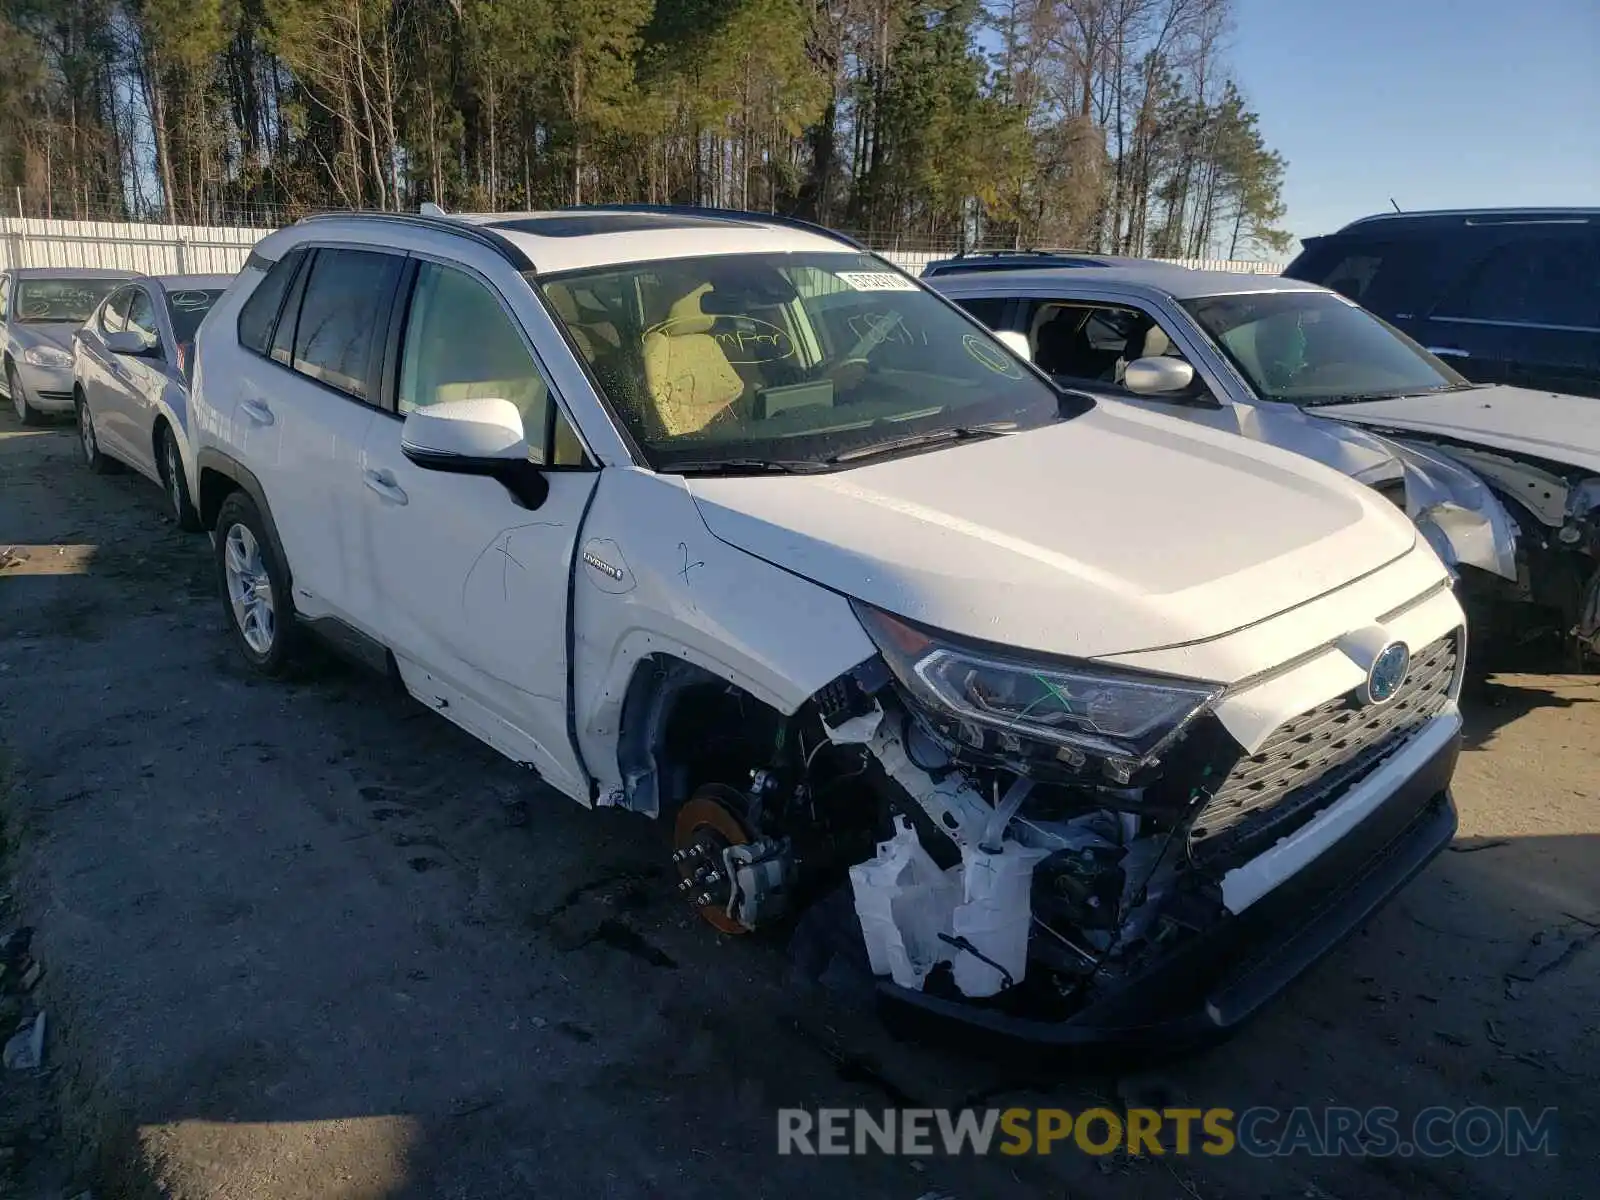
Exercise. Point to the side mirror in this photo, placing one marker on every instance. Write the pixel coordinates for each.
(475, 437)
(133, 344)
(1016, 342)
(1157, 376)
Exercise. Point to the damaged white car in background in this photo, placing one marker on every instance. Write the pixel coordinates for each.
(1096, 725)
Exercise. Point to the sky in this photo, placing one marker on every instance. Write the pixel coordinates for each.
(1434, 103)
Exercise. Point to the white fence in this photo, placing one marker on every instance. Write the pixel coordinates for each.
(222, 249)
(123, 246)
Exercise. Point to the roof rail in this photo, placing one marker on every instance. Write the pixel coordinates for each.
(1510, 214)
(721, 214)
(1018, 253)
(501, 245)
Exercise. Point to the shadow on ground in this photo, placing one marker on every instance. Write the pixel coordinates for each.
(1505, 699)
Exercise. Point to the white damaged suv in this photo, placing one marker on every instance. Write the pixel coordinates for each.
(1100, 726)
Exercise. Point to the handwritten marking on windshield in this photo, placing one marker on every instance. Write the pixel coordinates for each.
(750, 340)
(880, 328)
(985, 354)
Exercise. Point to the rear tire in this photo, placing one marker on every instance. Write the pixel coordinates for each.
(254, 581)
(169, 465)
(89, 441)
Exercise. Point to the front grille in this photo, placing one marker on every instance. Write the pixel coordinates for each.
(55, 397)
(1310, 760)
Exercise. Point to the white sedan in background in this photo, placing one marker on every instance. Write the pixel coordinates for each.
(132, 364)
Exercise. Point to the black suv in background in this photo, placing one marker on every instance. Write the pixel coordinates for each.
(1508, 295)
(1505, 295)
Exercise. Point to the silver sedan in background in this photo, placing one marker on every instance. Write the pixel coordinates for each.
(132, 363)
(1269, 358)
(40, 308)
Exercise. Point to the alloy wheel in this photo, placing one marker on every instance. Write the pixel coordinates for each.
(249, 589)
(86, 434)
(174, 467)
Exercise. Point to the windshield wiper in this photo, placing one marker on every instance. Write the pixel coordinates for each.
(1394, 394)
(745, 466)
(958, 433)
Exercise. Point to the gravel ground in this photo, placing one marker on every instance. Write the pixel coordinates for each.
(307, 940)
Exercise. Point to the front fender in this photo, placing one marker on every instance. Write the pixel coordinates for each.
(173, 405)
(1453, 509)
(1464, 522)
(1354, 452)
(653, 583)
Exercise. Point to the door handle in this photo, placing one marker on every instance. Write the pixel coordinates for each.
(383, 483)
(258, 411)
(1446, 352)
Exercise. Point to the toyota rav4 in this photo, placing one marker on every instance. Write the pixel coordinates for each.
(1092, 723)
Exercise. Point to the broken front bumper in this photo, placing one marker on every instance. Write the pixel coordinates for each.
(1215, 981)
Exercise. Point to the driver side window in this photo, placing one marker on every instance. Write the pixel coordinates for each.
(1084, 343)
(142, 316)
(114, 316)
(460, 344)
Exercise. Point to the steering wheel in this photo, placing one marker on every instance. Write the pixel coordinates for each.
(847, 374)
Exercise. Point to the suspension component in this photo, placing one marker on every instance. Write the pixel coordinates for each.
(734, 878)
(708, 824)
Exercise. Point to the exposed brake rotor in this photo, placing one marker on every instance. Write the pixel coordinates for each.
(707, 824)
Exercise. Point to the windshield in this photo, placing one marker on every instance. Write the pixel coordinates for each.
(187, 309)
(788, 360)
(1315, 348)
(51, 301)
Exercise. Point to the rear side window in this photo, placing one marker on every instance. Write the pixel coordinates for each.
(1552, 279)
(260, 311)
(1387, 277)
(347, 297)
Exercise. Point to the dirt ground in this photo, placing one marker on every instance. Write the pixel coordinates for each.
(307, 940)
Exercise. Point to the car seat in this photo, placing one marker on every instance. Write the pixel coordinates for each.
(689, 377)
(1156, 344)
(1054, 341)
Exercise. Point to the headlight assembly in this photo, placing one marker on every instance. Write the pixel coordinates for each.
(1122, 717)
(46, 356)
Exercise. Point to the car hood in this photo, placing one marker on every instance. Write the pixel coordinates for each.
(52, 333)
(1545, 425)
(1113, 532)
